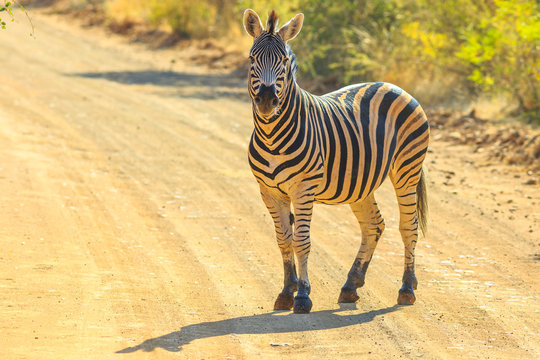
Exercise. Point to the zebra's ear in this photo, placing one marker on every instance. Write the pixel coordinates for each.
(252, 23)
(292, 28)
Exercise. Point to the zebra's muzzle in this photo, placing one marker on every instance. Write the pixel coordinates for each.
(266, 100)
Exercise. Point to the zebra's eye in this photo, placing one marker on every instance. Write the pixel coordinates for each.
(252, 59)
(285, 60)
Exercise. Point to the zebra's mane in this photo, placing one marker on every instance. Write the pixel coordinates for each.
(292, 59)
(272, 22)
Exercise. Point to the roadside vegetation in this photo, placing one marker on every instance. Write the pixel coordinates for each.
(6, 13)
(445, 52)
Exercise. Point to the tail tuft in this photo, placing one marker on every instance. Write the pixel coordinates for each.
(422, 203)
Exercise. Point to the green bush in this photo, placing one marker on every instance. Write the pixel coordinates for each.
(492, 48)
(348, 41)
(502, 53)
(473, 48)
(186, 18)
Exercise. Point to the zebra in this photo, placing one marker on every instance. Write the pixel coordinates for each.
(331, 149)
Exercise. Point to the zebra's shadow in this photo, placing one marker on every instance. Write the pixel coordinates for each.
(268, 323)
(187, 85)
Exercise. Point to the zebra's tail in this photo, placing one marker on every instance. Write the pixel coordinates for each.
(422, 203)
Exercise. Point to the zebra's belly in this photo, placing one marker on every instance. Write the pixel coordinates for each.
(343, 179)
(350, 182)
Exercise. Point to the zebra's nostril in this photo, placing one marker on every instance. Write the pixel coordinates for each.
(257, 100)
(274, 102)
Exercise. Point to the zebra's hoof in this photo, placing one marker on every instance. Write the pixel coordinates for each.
(348, 296)
(406, 297)
(302, 305)
(284, 302)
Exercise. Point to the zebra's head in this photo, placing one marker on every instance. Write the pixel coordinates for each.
(269, 57)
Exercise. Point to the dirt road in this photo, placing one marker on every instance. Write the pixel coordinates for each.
(132, 228)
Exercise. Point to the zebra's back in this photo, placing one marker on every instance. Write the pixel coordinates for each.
(367, 132)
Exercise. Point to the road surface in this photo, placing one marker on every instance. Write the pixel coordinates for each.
(132, 228)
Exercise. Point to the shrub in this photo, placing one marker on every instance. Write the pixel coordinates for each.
(502, 53)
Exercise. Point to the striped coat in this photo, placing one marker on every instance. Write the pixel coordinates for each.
(345, 143)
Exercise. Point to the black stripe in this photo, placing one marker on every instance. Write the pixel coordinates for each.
(406, 112)
(412, 136)
(364, 120)
(380, 139)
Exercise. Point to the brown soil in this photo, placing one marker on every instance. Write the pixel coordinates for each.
(513, 143)
(132, 228)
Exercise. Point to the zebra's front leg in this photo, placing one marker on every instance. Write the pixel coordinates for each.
(303, 209)
(372, 224)
(280, 210)
(285, 299)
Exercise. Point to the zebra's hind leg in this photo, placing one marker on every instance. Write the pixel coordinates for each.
(408, 227)
(372, 224)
